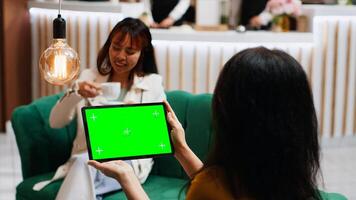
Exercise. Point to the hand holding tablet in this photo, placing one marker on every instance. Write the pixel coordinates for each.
(126, 131)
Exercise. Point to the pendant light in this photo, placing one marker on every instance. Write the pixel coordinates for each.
(59, 63)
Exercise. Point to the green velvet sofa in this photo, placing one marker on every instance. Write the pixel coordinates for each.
(42, 149)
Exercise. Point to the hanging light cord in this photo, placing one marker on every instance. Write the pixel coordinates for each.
(60, 6)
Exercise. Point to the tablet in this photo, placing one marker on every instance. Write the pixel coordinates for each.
(126, 131)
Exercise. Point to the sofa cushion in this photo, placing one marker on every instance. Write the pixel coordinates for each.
(157, 187)
(24, 189)
(331, 196)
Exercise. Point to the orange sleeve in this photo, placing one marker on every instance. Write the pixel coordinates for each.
(207, 185)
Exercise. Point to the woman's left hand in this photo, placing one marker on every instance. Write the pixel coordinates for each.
(125, 175)
(117, 169)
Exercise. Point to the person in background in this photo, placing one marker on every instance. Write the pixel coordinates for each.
(126, 57)
(247, 13)
(266, 135)
(167, 13)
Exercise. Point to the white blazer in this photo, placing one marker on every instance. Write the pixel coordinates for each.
(145, 89)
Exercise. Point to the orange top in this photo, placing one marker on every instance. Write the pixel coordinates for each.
(209, 184)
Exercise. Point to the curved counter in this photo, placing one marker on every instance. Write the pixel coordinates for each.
(191, 60)
(128, 9)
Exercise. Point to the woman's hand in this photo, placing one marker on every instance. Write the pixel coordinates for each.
(186, 157)
(177, 132)
(154, 25)
(125, 175)
(166, 23)
(88, 89)
(116, 169)
(256, 21)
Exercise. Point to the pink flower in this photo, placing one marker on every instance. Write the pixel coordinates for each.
(279, 7)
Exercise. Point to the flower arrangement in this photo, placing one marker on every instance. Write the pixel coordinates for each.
(283, 13)
(284, 7)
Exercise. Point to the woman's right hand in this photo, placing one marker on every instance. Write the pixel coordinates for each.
(88, 89)
(256, 21)
(186, 157)
(177, 132)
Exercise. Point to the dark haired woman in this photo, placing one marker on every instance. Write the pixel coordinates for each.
(266, 142)
(127, 57)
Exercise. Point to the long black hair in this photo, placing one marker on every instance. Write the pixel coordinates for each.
(140, 35)
(266, 139)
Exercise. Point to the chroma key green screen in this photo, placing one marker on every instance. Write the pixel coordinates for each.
(126, 131)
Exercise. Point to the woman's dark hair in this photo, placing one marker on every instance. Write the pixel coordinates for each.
(266, 139)
(140, 35)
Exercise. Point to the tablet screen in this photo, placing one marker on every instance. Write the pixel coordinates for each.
(126, 131)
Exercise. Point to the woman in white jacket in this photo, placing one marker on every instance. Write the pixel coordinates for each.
(126, 57)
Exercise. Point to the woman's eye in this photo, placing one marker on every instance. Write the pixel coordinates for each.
(130, 51)
(116, 48)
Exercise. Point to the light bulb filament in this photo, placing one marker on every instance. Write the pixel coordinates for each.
(60, 67)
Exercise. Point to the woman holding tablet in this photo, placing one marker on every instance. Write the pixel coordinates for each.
(266, 142)
(127, 58)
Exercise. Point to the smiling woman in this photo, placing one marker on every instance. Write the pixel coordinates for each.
(126, 47)
(127, 59)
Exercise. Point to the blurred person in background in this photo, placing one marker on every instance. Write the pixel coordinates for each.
(167, 13)
(247, 13)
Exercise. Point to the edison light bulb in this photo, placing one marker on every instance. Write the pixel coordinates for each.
(59, 63)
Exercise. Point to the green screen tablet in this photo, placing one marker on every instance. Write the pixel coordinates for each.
(126, 131)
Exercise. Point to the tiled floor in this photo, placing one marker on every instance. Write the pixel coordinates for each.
(10, 166)
(338, 166)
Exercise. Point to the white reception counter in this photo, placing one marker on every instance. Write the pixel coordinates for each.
(191, 60)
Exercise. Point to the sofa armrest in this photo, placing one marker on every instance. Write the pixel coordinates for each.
(41, 148)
